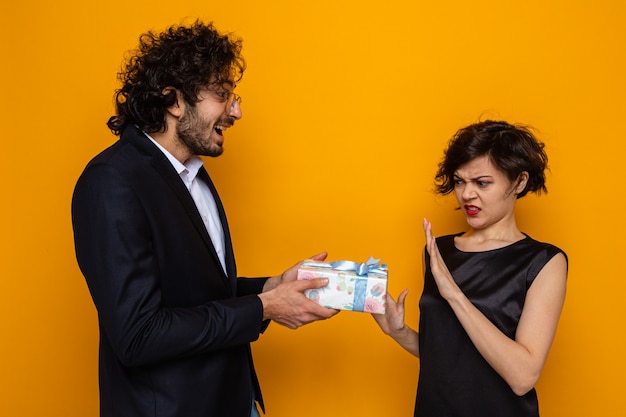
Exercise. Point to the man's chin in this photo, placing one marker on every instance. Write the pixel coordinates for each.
(214, 151)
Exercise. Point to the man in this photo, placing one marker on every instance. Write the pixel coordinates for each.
(153, 243)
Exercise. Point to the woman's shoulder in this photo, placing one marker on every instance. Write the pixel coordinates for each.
(537, 245)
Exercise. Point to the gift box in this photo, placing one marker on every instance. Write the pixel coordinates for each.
(352, 286)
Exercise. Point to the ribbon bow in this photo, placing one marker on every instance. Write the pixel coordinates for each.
(372, 266)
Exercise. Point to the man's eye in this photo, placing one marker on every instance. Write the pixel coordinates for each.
(458, 182)
(222, 95)
(483, 183)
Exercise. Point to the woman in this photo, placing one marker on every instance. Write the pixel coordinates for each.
(492, 295)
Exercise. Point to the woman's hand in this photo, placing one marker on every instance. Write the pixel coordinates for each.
(392, 321)
(443, 278)
(392, 324)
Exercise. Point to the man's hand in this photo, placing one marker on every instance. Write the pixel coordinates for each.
(286, 303)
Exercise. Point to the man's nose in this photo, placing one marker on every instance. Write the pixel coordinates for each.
(235, 110)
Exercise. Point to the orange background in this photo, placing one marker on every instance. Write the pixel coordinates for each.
(347, 107)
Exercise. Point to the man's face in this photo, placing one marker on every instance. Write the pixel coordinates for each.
(201, 127)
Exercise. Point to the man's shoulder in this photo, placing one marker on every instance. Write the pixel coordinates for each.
(127, 150)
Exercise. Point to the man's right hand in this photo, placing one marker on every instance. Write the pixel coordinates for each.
(286, 304)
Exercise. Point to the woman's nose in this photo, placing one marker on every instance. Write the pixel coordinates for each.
(469, 192)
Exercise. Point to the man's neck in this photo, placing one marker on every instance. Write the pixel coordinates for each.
(170, 142)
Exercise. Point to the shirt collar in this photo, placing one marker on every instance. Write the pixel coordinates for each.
(191, 166)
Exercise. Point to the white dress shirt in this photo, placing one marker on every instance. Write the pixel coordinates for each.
(202, 196)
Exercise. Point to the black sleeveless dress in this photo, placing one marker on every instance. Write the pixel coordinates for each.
(455, 380)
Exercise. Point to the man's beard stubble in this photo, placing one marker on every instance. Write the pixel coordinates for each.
(193, 131)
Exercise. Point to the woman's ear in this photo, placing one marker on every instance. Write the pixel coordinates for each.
(522, 180)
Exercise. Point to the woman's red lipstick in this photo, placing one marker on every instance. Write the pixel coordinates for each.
(471, 210)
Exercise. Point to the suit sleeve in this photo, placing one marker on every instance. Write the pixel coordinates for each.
(114, 249)
(248, 286)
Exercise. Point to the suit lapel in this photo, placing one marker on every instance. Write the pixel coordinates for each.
(231, 268)
(163, 166)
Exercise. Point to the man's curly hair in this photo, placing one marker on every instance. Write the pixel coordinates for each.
(184, 57)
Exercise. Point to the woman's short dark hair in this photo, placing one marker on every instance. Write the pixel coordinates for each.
(511, 148)
(184, 57)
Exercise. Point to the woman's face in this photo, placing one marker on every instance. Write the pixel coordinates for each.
(485, 194)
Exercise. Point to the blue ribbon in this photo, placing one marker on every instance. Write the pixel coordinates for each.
(372, 266)
(360, 291)
(361, 269)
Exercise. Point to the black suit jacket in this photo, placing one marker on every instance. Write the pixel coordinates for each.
(175, 330)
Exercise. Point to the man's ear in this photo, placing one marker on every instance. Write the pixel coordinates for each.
(178, 108)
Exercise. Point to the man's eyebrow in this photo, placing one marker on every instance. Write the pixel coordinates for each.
(223, 84)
